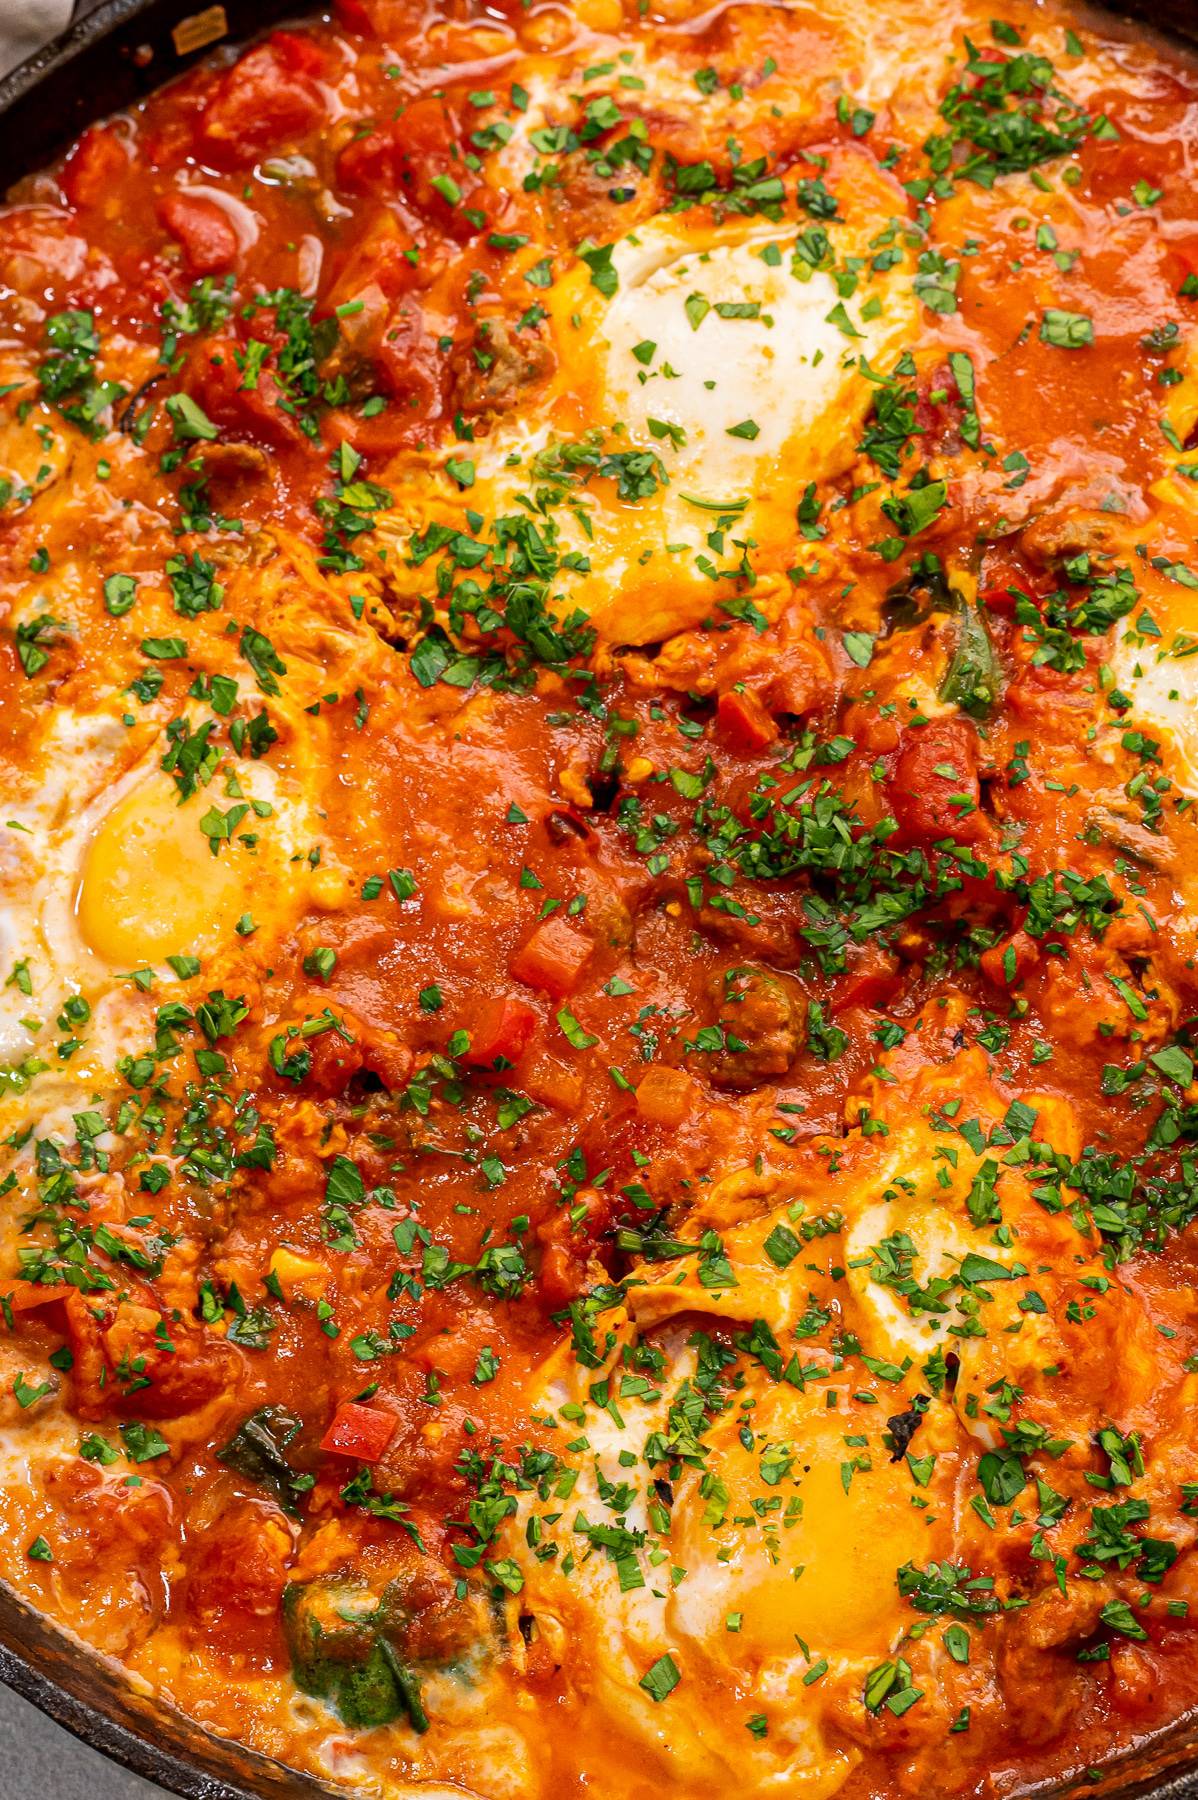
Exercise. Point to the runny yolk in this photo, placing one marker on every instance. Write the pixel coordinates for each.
(868, 1530)
(150, 886)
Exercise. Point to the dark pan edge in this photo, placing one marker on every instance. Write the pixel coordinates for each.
(105, 1736)
(93, 1699)
(122, 51)
(105, 62)
(1165, 17)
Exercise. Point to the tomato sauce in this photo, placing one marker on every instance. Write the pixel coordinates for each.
(601, 1176)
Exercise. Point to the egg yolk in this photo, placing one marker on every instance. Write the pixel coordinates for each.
(150, 886)
(844, 1545)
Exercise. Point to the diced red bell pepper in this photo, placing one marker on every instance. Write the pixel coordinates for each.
(744, 724)
(361, 1431)
(502, 1027)
(208, 239)
(553, 958)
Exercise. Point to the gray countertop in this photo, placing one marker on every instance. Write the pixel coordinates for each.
(41, 1761)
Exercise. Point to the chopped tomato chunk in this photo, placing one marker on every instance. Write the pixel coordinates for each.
(266, 99)
(872, 978)
(256, 412)
(934, 790)
(415, 156)
(94, 168)
(664, 1096)
(1007, 963)
(375, 18)
(237, 1575)
(208, 239)
(502, 1027)
(553, 958)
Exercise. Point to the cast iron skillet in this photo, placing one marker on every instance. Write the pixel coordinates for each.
(109, 59)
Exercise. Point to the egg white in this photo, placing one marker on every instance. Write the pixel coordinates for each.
(99, 877)
(715, 348)
(615, 1634)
